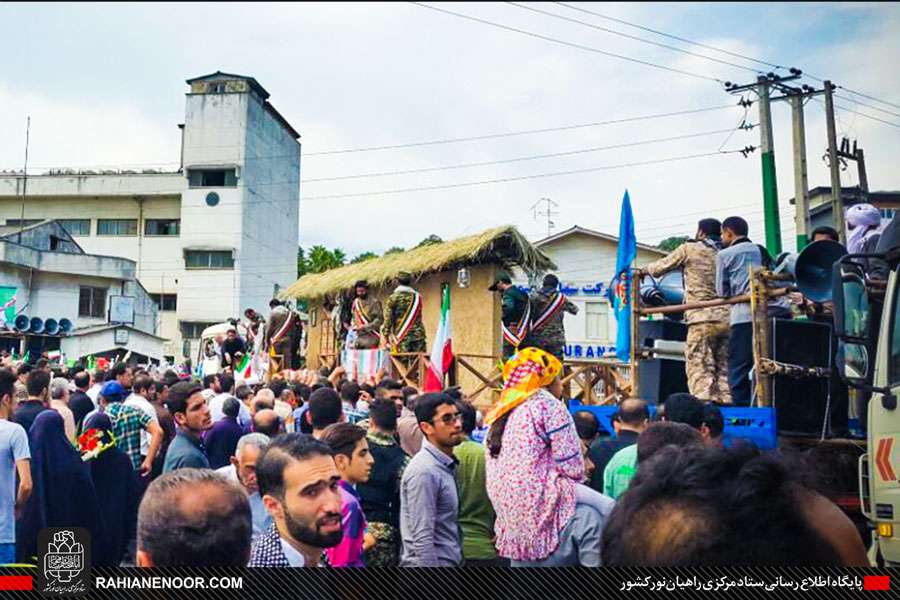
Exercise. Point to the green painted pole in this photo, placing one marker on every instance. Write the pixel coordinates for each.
(770, 184)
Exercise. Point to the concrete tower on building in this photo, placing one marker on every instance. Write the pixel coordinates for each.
(215, 236)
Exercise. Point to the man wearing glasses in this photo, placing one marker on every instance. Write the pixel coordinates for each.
(429, 503)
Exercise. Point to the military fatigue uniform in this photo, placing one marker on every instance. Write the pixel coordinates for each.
(394, 310)
(513, 306)
(706, 349)
(278, 317)
(551, 337)
(367, 336)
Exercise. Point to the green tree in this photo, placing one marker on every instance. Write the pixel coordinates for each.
(394, 250)
(302, 264)
(363, 257)
(430, 240)
(670, 243)
(322, 259)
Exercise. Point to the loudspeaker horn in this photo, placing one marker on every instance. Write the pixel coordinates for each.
(51, 326)
(65, 326)
(812, 269)
(36, 325)
(22, 323)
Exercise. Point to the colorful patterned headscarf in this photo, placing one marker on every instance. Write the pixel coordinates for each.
(523, 375)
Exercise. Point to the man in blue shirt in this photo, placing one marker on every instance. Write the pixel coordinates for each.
(733, 279)
(191, 413)
(15, 457)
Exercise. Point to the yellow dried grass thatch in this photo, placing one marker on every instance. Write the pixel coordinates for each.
(504, 245)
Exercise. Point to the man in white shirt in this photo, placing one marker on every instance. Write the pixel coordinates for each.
(97, 379)
(226, 390)
(243, 470)
(139, 398)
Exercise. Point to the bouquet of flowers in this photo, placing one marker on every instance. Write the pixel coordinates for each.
(91, 443)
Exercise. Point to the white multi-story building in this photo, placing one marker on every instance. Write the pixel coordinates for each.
(209, 240)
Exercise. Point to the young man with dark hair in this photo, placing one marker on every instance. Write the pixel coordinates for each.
(706, 348)
(37, 384)
(140, 399)
(476, 513)
(684, 408)
(226, 385)
(380, 495)
(407, 425)
(697, 507)
(354, 464)
(733, 266)
(79, 402)
(666, 433)
(429, 502)
(191, 414)
(15, 459)
(367, 316)
(298, 482)
(193, 518)
(324, 409)
(629, 421)
(211, 383)
(713, 426)
(824, 233)
(122, 373)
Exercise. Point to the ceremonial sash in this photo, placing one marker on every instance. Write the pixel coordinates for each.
(282, 331)
(412, 313)
(555, 305)
(517, 336)
(359, 314)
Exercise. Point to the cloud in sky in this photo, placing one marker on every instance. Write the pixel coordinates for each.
(104, 85)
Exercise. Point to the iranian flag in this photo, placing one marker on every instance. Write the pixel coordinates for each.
(442, 349)
(244, 369)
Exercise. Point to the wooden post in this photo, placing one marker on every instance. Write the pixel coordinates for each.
(759, 312)
(635, 318)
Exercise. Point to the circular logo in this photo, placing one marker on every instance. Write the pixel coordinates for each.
(212, 199)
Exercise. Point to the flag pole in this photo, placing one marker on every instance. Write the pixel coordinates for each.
(635, 315)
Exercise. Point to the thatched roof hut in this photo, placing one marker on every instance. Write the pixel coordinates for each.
(504, 246)
(475, 312)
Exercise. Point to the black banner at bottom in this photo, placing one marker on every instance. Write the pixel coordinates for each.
(463, 584)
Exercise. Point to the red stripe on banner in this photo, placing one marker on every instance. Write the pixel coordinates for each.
(15, 583)
(877, 583)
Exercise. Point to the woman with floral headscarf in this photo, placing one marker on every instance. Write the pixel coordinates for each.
(534, 467)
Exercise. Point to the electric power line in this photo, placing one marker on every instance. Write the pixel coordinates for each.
(857, 102)
(523, 158)
(634, 37)
(571, 44)
(520, 178)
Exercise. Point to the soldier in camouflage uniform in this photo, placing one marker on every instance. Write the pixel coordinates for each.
(706, 349)
(395, 310)
(366, 317)
(514, 306)
(548, 307)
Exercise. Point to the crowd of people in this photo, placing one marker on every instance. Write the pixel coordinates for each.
(167, 470)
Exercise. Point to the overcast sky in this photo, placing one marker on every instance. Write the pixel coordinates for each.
(104, 85)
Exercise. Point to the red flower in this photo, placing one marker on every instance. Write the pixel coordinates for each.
(89, 440)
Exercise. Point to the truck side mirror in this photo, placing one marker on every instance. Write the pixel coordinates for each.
(852, 362)
(851, 301)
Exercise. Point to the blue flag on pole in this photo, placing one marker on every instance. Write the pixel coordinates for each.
(620, 287)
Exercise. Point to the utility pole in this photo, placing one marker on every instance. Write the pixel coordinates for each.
(837, 204)
(24, 180)
(548, 212)
(863, 178)
(770, 186)
(769, 181)
(801, 181)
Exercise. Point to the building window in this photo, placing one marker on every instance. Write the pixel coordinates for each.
(165, 301)
(191, 330)
(117, 227)
(76, 226)
(212, 178)
(22, 222)
(597, 320)
(92, 302)
(162, 226)
(208, 259)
